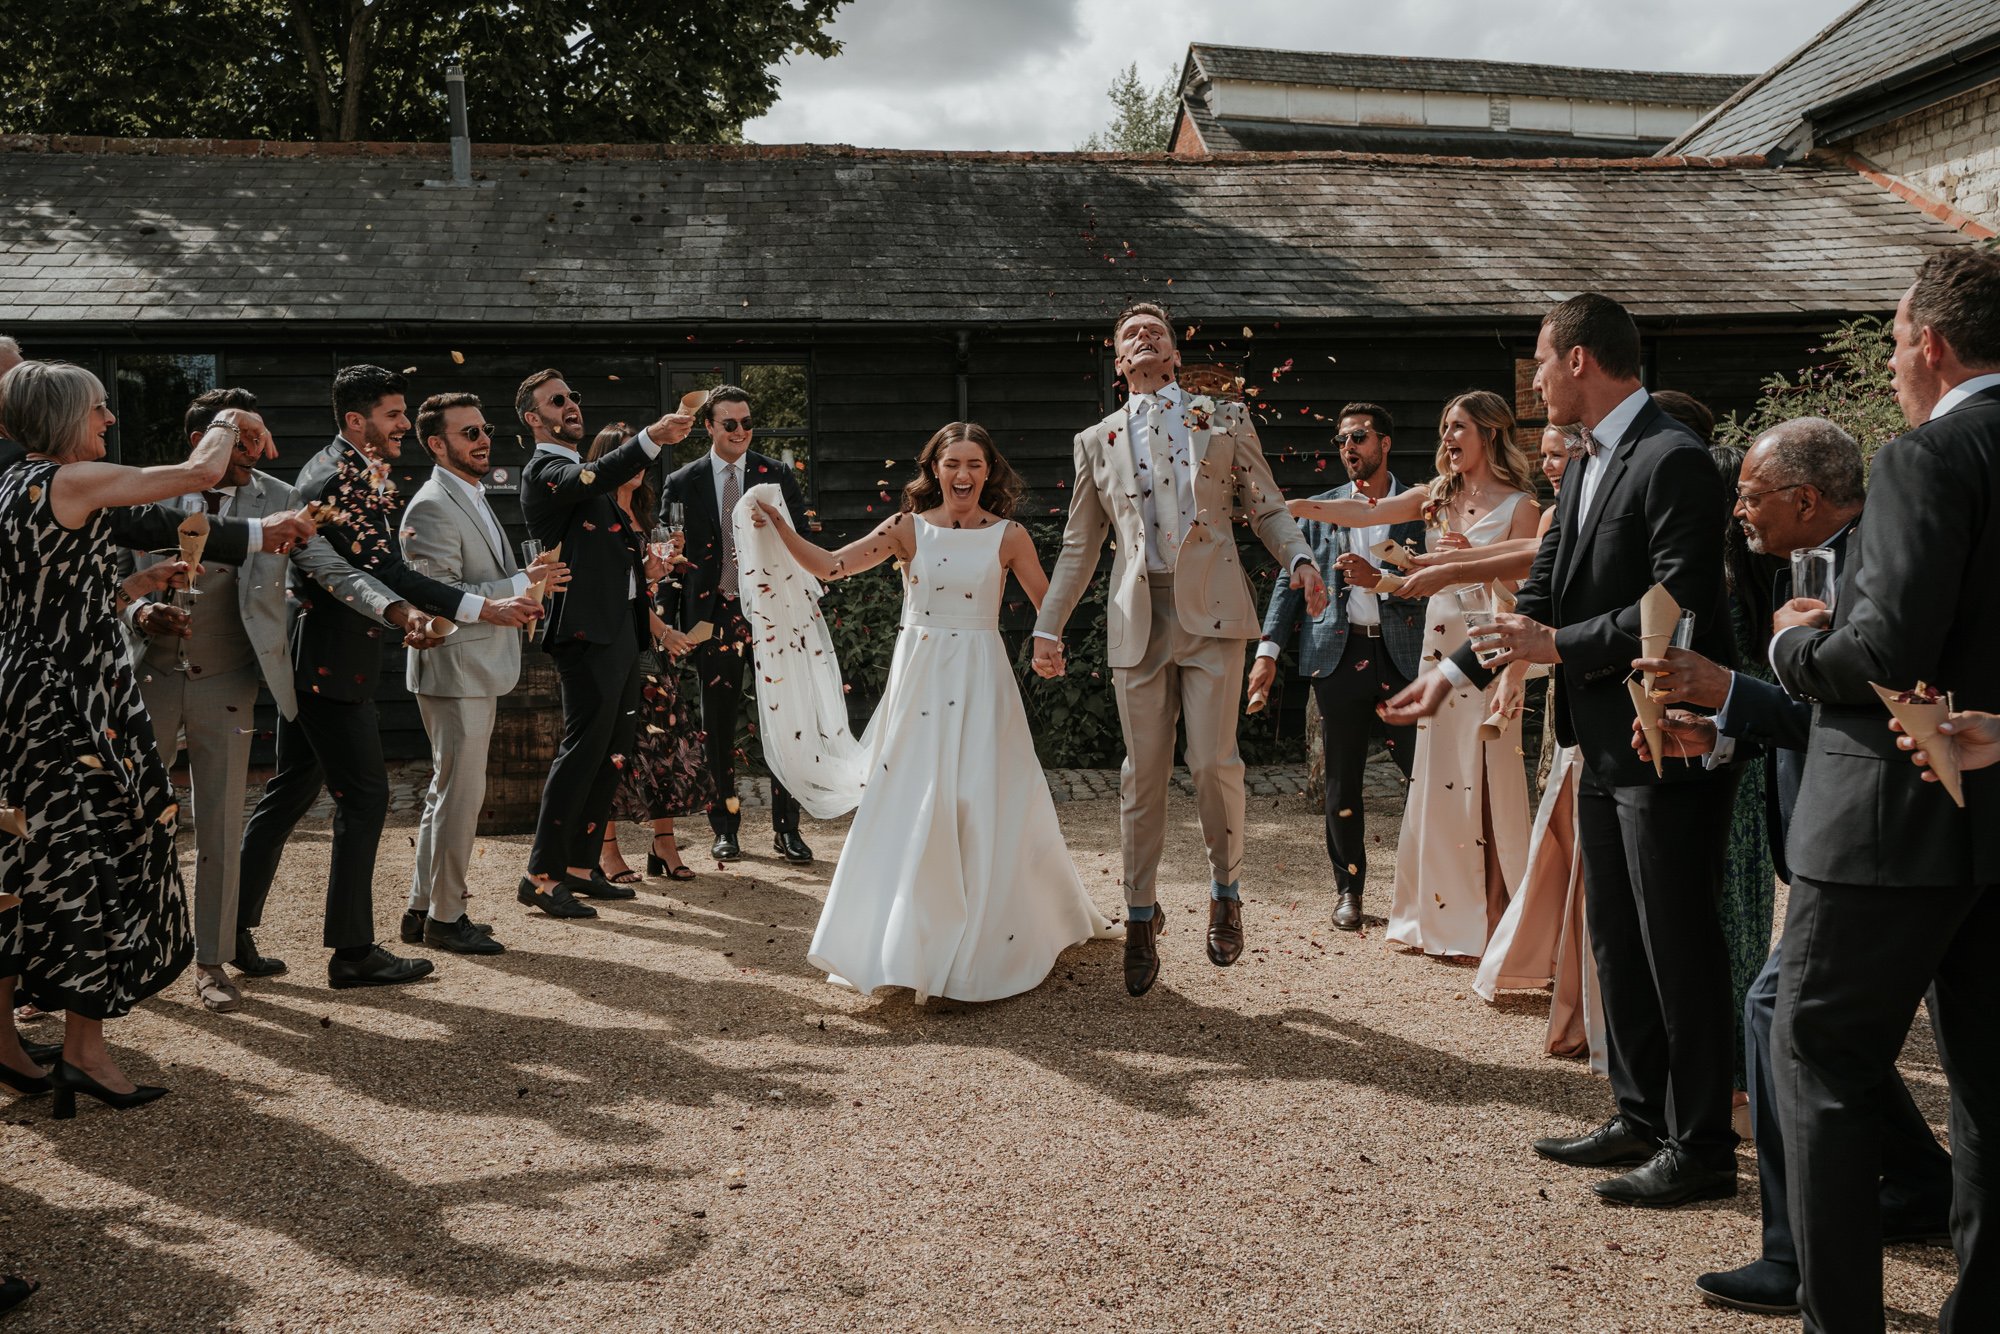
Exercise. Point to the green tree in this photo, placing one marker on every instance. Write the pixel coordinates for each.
(537, 71)
(1144, 117)
(1850, 388)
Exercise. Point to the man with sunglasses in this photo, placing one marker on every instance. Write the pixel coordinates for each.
(451, 533)
(708, 490)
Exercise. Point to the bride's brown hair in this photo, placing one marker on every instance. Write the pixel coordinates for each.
(1003, 485)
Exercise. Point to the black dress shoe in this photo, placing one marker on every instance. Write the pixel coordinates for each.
(14, 1290)
(1762, 1287)
(556, 900)
(70, 1081)
(1613, 1144)
(42, 1053)
(378, 969)
(1347, 910)
(725, 848)
(413, 926)
(596, 886)
(1225, 931)
(1142, 953)
(252, 964)
(787, 844)
(1668, 1178)
(27, 1086)
(460, 937)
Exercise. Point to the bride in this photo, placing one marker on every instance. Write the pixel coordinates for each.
(954, 880)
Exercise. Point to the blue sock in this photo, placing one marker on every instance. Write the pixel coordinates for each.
(1218, 890)
(1140, 912)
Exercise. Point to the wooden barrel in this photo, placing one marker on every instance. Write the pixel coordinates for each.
(524, 745)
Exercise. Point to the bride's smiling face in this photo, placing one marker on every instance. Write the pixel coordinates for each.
(1464, 443)
(961, 472)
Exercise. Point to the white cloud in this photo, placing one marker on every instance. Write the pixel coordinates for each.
(1031, 74)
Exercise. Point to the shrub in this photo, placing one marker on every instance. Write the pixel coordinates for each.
(1850, 388)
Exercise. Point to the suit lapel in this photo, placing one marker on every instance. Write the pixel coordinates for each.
(464, 505)
(1118, 453)
(1613, 472)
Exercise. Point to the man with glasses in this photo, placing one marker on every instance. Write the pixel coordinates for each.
(1357, 653)
(451, 533)
(708, 490)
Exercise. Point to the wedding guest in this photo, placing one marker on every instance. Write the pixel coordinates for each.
(1364, 648)
(597, 627)
(1895, 888)
(451, 534)
(666, 773)
(201, 660)
(708, 489)
(1465, 824)
(334, 742)
(10, 357)
(1640, 510)
(103, 920)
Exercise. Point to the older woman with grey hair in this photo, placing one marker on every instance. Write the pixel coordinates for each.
(89, 849)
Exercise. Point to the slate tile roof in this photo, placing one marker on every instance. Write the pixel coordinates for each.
(1236, 134)
(155, 232)
(1343, 69)
(1870, 42)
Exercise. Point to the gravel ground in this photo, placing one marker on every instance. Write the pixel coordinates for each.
(664, 1120)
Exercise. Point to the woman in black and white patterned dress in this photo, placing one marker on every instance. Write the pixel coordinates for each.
(103, 918)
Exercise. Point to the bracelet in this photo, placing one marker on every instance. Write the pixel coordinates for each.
(235, 431)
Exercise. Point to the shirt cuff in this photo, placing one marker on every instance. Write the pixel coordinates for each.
(1721, 718)
(1305, 559)
(1452, 673)
(1724, 752)
(1053, 639)
(256, 536)
(1267, 648)
(645, 439)
(469, 608)
(521, 583)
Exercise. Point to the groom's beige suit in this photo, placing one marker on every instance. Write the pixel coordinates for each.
(1181, 611)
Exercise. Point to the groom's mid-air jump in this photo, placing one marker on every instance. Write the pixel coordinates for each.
(1166, 475)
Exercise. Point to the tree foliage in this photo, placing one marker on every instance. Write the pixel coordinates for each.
(1850, 389)
(537, 71)
(1143, 117)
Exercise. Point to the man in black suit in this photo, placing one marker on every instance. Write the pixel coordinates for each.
(707, 491)
(1801, 486)
(1644, 506)
(1895, 888)
(335, 741)
(597, 627)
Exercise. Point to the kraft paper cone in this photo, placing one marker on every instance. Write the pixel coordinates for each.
(1658, 612)
(539, 590)
(693, 401)
(1258, 699)
(1496, 725)
(1391, 552)
(703, 632)
(13, 820)
(9, 901)
(1388, 582)
(194, 540)
(1921, 722)
(1650, 712)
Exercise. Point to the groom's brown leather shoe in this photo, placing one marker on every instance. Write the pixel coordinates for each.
(1142, 953)
(1347, 910)
(1225, 931)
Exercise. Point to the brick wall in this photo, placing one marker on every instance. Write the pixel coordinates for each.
(1949, 152)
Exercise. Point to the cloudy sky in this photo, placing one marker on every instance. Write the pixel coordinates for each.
(1031, 74)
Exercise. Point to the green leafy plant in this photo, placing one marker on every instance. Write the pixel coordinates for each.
(1850, 388)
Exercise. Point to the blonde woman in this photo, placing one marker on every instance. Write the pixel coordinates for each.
(1465, 824)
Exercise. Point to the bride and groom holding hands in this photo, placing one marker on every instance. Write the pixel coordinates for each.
(955, 880)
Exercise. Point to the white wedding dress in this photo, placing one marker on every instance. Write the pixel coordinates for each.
(954, 880)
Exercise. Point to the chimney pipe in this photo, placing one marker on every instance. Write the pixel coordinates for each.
(461, 133)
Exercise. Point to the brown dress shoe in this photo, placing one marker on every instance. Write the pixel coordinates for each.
(1225, 931)
(1142, 953)
(1347, 910)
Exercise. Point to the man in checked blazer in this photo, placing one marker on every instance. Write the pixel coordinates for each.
(1358, 652)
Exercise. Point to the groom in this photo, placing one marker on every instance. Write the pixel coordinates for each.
(1166, 475)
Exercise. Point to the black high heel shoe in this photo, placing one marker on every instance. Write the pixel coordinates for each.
(70, 1081)
(656, 865)
(14, 1290)
(26, 1085)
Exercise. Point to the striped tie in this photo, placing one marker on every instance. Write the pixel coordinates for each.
(732, 491)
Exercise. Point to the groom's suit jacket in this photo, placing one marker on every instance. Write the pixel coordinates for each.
(1212, 595)
(441, 528)
(1324, 638)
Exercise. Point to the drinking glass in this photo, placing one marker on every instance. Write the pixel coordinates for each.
(661, 541)
(531, 550)
(1683, 635)
(1481, 613)
(1812, 574)
(676, 517)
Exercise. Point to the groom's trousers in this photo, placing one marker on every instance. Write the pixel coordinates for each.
(1198, 680)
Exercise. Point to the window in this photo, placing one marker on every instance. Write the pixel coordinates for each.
(150, 393)
(779, 406)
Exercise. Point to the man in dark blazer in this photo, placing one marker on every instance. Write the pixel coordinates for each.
(1360, 651)
(708, 592)
(335, 741)
(1800, 487)
(1896, 888)
(597, 627)
(1644, 506)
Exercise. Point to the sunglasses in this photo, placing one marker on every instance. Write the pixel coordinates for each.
(1358, 437)
(476, 432)
(564, 400)
(732, 423)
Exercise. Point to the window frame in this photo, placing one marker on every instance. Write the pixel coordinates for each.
(765, 440)
(113, 390)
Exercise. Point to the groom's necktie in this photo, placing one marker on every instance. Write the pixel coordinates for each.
(732, 491)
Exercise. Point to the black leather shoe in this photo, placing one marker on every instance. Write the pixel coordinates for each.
(787, 844)
(413, 926)
(1668, 1178)
(68, 1081)
(47, 1053)
(14, 1290)
(1225, 931)
(460, 937)
(252, 964)
(1613, 1144)
(725, 848)
(1142, 953)
(379, 969)
(1347, 910)
(1762, 1287)
(598, 887)
(556, 901)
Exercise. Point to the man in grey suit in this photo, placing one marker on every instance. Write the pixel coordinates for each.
(1358, 652)
(450, 533)
(199, 670)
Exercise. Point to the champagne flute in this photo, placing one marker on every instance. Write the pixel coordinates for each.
(676, 517)
(1683, 632)
(531, 551)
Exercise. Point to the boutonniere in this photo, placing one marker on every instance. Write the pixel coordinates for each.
(1200, 411)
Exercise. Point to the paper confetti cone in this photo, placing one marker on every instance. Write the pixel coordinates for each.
(1497, 725)
(539, 589)
(13, 820)
(1650, 712)
(1920, 718)
(194, 540)
(693, 401)
(1657, 614)
(1388, 582)
(1391, 552)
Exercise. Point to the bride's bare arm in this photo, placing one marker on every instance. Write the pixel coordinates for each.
(1403, 507)
(892, 537)
(1017, 553)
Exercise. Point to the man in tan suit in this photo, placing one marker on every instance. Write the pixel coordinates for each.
(1167, 475)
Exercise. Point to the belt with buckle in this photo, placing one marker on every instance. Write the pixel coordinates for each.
(1365, 631)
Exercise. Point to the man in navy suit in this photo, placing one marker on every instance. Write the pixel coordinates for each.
(1357, 653)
